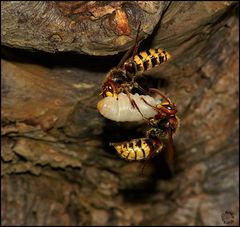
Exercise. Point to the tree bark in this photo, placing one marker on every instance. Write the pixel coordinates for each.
(92, 27)
(56, 165)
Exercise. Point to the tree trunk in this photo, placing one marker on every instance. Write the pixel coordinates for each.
(92, 27)
(57, 167)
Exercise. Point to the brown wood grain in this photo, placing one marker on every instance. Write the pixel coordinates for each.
(56, 165)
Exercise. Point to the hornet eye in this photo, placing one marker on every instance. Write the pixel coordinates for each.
(110, 88)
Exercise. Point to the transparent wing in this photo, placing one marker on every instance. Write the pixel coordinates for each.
(170, 152)
(133, 50)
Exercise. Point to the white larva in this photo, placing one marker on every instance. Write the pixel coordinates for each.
(121, 109)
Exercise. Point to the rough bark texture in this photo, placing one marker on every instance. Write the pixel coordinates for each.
(92, 27)
(57, 167)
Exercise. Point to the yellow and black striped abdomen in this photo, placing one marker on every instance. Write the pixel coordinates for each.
(148, 59)
(137, 149)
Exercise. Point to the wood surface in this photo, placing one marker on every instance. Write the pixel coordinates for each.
(56, 165)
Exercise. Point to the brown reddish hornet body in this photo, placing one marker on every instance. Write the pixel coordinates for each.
(122, 79)
(162, 127)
